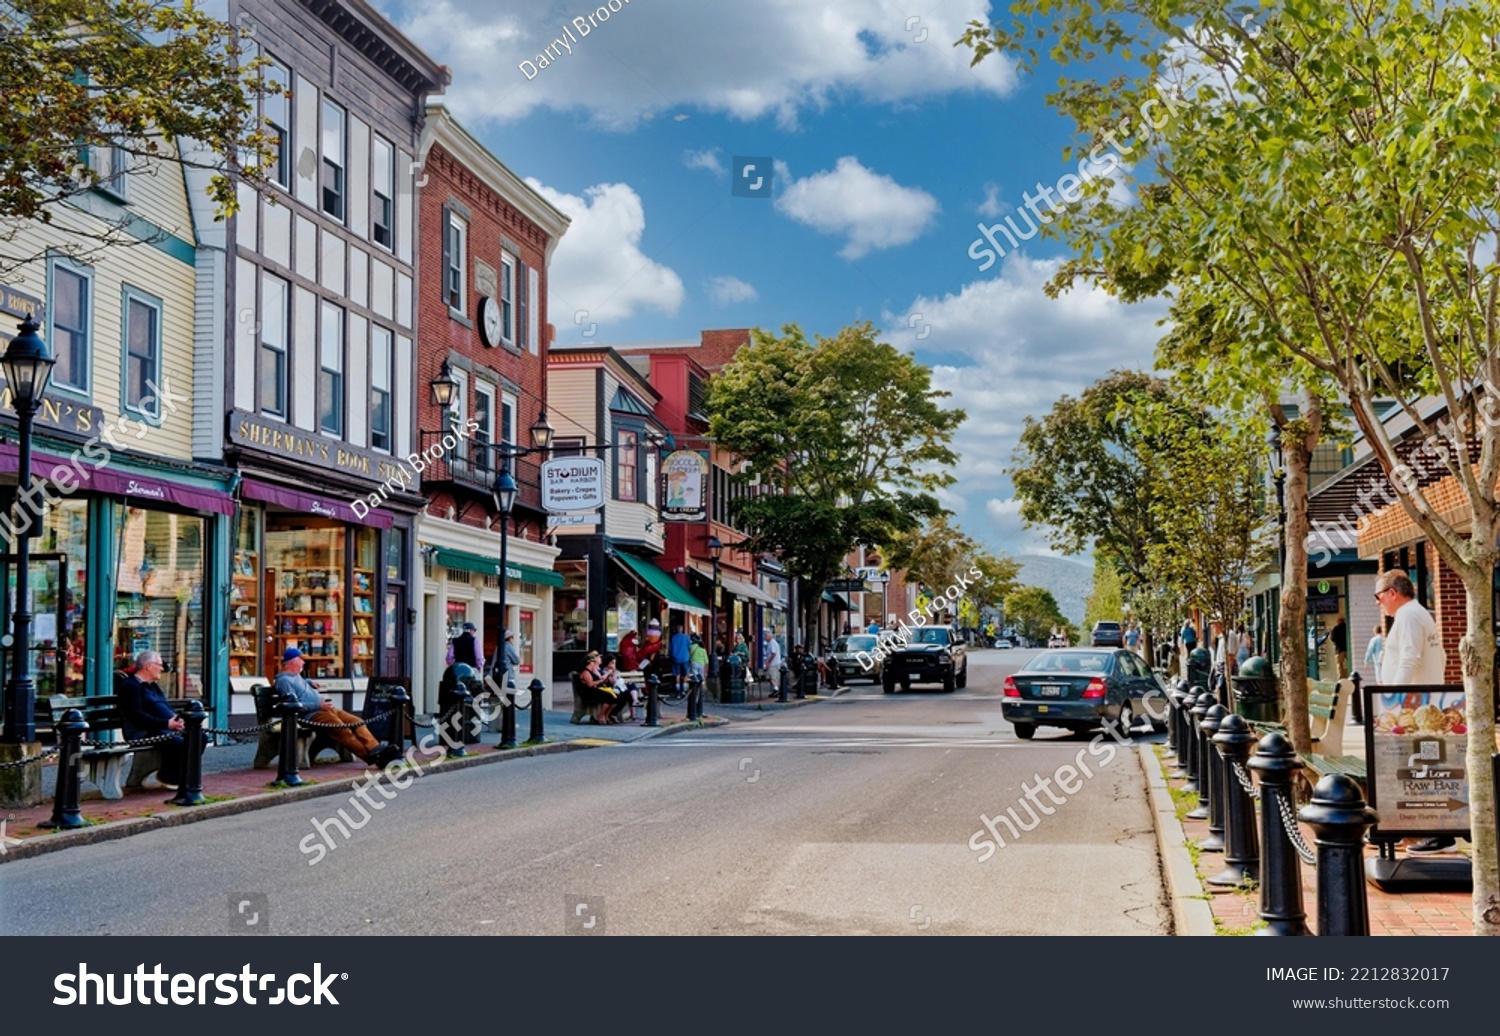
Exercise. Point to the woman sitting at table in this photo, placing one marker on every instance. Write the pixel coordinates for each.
(592, 676)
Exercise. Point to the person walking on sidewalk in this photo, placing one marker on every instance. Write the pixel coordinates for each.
(1339, 638)
(770, 655)
(681, 651)
(1412, 654)
(318, 709)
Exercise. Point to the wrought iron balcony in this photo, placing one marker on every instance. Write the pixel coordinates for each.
(472, 466)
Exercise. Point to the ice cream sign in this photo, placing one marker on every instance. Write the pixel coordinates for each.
(685, 476)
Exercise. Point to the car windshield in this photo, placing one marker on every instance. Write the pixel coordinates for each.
(930, 635)
(1070, 662)
(863, 642)
(1107, 627)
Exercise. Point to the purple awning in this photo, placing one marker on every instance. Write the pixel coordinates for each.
(120, 483)
(295, 500)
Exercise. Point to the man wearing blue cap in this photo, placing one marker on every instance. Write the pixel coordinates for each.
(318, 709)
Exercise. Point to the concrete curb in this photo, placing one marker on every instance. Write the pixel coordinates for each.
(177, 817)
(1191, 914)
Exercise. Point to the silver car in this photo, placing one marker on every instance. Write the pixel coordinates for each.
(846, 654)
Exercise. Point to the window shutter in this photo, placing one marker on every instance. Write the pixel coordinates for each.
(522, 309)
(447, 276)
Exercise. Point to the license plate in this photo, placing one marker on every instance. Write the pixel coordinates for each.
(1041, 708)
(1049, 690)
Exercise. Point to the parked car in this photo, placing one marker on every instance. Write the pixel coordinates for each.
(935, 654)
(1107, 634)
(1004, 642)
(1079, 689)
(845, 654)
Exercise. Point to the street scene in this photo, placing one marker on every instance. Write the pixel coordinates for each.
(677, 469)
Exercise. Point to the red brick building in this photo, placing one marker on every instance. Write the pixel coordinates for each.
(481, 325)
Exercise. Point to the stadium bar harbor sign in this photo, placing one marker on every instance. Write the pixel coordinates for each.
(572, 484)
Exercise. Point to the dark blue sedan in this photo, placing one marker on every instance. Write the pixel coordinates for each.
(1080, 689)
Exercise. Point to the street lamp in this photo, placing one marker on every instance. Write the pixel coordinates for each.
(715, 551)
(1278, 475)
(541, 432)
(443, 387)
(28, 366)
(503, 492)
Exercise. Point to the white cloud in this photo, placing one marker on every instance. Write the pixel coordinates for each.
(727, 290)
(707, 159)
(992, 206)
(1005, 351)
(870, 209)
(773, 57)
(599, 268)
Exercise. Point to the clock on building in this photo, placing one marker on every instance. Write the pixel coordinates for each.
(489, 320)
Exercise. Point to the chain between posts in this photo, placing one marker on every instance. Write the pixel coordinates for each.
(1283, 810)
(310, 724)
(1246, 782)
(144, 742)
(16, 764)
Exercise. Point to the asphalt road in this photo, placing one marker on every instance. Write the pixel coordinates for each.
(849, 817)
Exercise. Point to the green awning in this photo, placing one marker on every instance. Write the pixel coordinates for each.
(839, 601)
(663, 585)
(464, 561)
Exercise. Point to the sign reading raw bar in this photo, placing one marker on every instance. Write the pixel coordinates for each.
(1415, 745)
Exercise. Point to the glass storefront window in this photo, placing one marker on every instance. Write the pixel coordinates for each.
(527, 637)
(159, 566)
(245, 636)
(306, 563)
(57, 594)
(570, 610)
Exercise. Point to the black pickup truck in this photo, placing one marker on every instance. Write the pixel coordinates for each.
(935, 654)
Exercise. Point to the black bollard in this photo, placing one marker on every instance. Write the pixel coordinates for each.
(1172, 723)
(65, 812)
(1177, 698)
(400, 702)
(538, 721)
(190, 791)
(1187, 735)
(1199, 709)
(653, 706)
(286, 763)
(785, 685)
(1214, 843)
(1339, 817)
(1280, 870)
(695, 697)
(1241, 850)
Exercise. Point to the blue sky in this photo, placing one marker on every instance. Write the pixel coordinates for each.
(888, 151)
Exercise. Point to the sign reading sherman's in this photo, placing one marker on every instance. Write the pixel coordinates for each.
(248, 430)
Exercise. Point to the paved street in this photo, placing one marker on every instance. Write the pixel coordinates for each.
(850, 817)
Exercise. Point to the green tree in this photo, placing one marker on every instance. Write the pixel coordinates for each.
(847, 432)
(940, 555)
(1323, 183)
(141, 81)
(1105, 602)
(1033, 611)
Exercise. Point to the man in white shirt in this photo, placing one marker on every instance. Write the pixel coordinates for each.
(1413, 650)
(770, 655)
(1413, 654)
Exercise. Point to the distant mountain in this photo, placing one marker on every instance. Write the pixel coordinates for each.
(1069, 581)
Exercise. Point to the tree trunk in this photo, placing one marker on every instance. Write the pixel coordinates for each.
(1292, 623)
(1477, 652)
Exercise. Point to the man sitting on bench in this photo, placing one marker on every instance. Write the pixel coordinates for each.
(318, 709)
(144, 713)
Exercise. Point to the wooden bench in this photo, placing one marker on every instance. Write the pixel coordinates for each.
(588, 701)
(1328, 702)
(103, 767)
(309, 742)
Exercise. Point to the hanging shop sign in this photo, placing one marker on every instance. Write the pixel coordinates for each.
(685, 479)
(572, 484)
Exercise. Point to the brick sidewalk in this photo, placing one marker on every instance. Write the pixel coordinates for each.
(1412, 913)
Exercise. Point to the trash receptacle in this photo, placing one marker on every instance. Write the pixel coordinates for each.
(454, 676)
(808, 676)
(732, 681)
(1256, 696)
(1200, 666)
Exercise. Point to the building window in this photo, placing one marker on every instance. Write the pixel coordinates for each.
(458, 413)
(383, 205)
(508, 299)
(70, 314)
(276, 110)
(142, 353)
(484, 417)
(455, 252)
(380, 388)
(508, 419)
(533, 289)
(273, 342)
(331, 372)
(626, 465)
(333, 160)
(107, 163)
(567, 446)
(522, 307)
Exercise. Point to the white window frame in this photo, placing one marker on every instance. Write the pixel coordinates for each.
(130, 297)
(382, 356)
(484, 412)
(507, 296)
(331, 366)
(272, 106)
(508, 402)
(458, 413)
(533, 309)
(383, 192)
(56, 265)
(275, 338)
(455, 279)
(335, 166)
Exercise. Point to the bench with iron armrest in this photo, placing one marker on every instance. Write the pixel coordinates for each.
(309, 742)
(101, 766)
(1328, 702)
(590, 701)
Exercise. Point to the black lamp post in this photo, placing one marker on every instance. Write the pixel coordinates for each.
(443, 387)
(715, 550)
(1278, 475)
(28, 366)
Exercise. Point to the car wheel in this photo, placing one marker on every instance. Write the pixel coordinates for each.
(1025, 731)
(1127, 718)
(889, 686)
(949, 682)
(963, 677)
